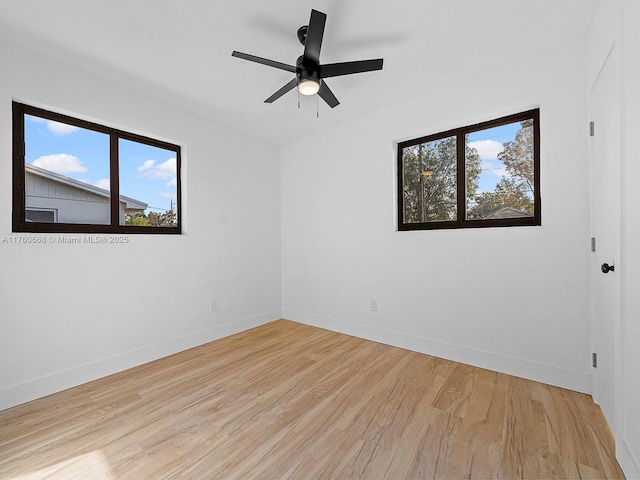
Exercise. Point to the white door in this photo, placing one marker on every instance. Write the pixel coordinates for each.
(615, 173)
(606, 215)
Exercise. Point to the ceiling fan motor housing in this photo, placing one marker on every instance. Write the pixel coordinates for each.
(306, 72)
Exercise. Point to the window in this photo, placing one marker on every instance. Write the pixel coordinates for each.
(484, 175)
(74, 176)
(41, 215)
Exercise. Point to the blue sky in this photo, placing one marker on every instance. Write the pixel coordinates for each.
(489, 143)
(147, 173)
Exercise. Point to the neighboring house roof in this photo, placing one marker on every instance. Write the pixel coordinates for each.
(130, 203)
(509, 212)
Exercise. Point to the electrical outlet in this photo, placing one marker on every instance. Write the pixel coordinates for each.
(374, 306)
(214, 306)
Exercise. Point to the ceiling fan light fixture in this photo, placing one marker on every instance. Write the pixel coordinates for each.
(308, 87)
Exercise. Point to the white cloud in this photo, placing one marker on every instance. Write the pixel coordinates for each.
(496, 168)
(103, 183)
(165, 170)
(35, 119)
(492, 166)
(487, 149)
(168, 194)
(173, 182)
(146, 166)
(60, 163)
(58, 128)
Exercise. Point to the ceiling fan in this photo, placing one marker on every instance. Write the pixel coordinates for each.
(309, 72)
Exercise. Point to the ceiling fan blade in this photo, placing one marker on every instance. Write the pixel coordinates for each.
(347, 68)
(313, 42)
(327, 95)
(264, 61)
(289, 86)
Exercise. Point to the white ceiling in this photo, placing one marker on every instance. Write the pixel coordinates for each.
(181, 49)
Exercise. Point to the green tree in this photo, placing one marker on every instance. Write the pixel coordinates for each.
(137, 219)
(168, 219)
(430, 180)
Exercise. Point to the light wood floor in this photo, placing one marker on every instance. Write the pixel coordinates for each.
(291, 401)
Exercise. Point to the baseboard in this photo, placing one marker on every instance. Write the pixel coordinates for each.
(41, 387)
(560, 377)
(629, 464)
(33, 389)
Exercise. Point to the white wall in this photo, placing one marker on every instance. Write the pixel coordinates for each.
(74, 312)
(510, 299)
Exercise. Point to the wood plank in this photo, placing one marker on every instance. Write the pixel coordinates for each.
(286, 400)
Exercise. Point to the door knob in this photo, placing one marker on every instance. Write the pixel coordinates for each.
(606, 268)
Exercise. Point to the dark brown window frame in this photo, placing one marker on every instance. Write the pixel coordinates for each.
(19, 223)
(461, 221)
